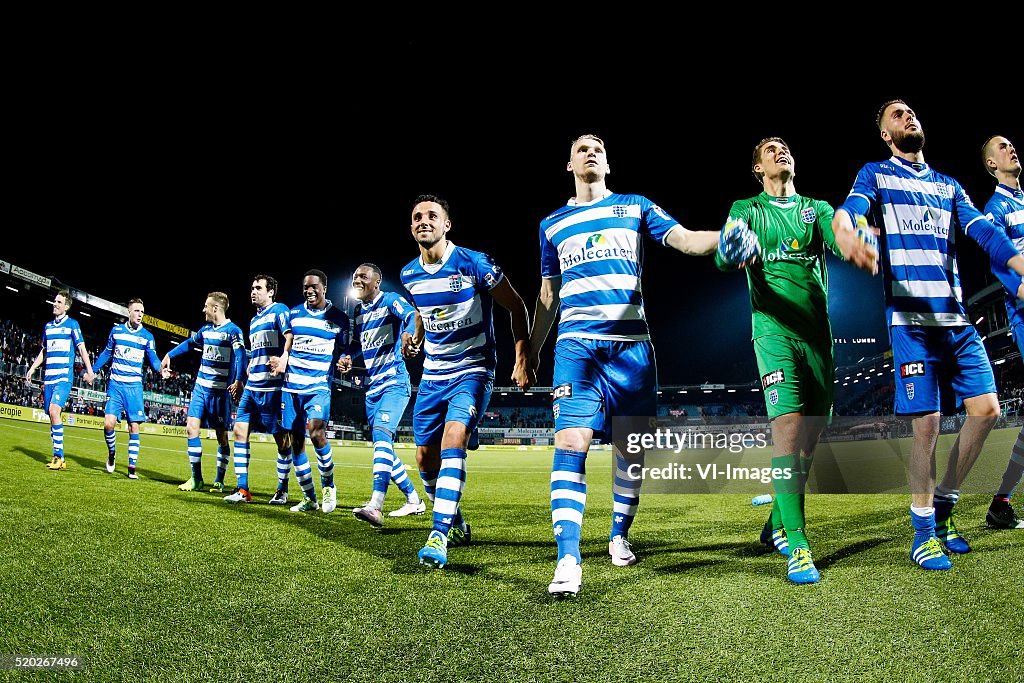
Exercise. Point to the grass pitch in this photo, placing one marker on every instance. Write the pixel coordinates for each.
(148, 583)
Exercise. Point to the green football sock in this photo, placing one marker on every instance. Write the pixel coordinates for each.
(775, 520)
(789, 495)
(805, 471)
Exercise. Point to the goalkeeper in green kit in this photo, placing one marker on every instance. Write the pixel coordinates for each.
(791, 331)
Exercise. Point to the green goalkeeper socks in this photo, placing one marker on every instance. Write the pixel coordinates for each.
(789, 495)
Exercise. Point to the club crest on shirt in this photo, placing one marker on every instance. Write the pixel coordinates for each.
(620, 211)
(455, 283)
(808, 215)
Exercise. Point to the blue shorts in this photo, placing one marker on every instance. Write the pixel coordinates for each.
(597, 379)
(304, 407)
(56, 394)
(261, 410)
(929, 358)
(386, 408)
(460, 399)
(211, 406)
(126, 398)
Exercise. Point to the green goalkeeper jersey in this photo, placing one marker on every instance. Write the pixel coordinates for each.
(789, 284)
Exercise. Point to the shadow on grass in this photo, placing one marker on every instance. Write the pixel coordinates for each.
(83, 461)
(841, 554)
(38, 456)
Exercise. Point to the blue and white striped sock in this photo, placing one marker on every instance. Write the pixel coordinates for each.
(284, 466)
(242, 464)
(304, 473)
(402, 481)
(625, 498)
(111, 439)
(223, 458)
(429, 479)
(195, 458)
(383, 463)
(57, 436)
(133, 449)
(326, 464)
(568, 500)
(451, 481)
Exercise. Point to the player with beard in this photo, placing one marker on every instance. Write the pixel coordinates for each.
(933, 342)
(454, 290)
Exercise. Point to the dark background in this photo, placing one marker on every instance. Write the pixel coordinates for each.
(167, 176)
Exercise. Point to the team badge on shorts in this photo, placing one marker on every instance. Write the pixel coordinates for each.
(910, 391)
(773, 396)
(455, 283)
(556, 409)
(808, 215)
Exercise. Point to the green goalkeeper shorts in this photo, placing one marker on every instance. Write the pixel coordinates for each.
(796, 377)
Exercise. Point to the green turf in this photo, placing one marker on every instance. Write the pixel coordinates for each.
(148, 583)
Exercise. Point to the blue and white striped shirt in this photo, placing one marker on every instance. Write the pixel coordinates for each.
(379, 326)
(127, 350)
(918, 211)
(223, 353)
(1006, 210)
(266, 339)
(596, 248)
(320, 336)
(457, 319)
(61, 337)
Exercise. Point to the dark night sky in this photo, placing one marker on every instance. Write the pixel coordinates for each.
(169, 179)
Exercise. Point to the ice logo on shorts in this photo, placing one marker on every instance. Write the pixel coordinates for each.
(910, 391)
(455, 283)
(773, 396)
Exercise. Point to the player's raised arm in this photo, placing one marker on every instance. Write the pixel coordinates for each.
(89, 375)
(107, 351)
(195, 341)
(154, 359)
(508, 298)
(35, 364)
(545, 311)
(693, 242)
